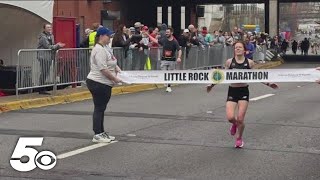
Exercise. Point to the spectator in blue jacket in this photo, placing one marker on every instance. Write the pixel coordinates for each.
(250, 49)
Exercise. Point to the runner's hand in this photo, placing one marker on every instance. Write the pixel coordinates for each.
(209, 88)
(274, 85)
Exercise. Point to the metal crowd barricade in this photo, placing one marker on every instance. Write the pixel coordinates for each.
(228, 53)
(260, 53)
(72, 66)
(41, 68)
(121, 55)
(35, 69)
(202, 56)
(38, 68)
(191, 59)
(155, 54)
(139, 59)
(131, 59)
(216, 55)
(199, 57)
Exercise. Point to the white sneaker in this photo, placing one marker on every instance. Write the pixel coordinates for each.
(112, 138)
(169, 89)
(101, 138)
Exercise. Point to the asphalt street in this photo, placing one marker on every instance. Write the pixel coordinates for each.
(181, 135)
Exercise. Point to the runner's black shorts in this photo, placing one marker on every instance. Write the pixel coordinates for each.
(236, 94)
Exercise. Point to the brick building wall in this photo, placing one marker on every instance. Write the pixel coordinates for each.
(86, 12)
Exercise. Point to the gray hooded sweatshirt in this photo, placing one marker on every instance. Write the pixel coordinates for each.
(46, 41)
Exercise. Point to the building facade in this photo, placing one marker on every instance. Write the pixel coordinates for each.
(111, 13)
(176, 13)
(88, 12)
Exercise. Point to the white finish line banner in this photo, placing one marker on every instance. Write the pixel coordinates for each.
(219, 76)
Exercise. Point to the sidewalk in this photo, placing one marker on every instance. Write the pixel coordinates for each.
(69, 95)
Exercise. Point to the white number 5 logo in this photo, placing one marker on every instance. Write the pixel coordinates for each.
(44, 160)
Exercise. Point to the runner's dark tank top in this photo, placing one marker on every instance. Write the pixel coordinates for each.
(235, 65)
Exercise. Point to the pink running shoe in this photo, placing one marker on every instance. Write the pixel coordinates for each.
(239, 143)
(233, 129)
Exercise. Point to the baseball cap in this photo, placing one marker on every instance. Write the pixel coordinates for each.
(137, 24)
(132, 29)
(186, 30)
(145, 28)
(104, 31)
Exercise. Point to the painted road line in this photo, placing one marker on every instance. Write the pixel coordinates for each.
(82, 150)
(261, 97)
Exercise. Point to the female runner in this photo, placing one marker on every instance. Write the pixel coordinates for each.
(238, 94)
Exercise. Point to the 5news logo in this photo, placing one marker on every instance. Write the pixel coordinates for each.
(44, 160)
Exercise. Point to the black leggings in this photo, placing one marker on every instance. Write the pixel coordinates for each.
(101, 94)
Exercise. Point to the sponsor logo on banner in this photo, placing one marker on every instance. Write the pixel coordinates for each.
(217, 76)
